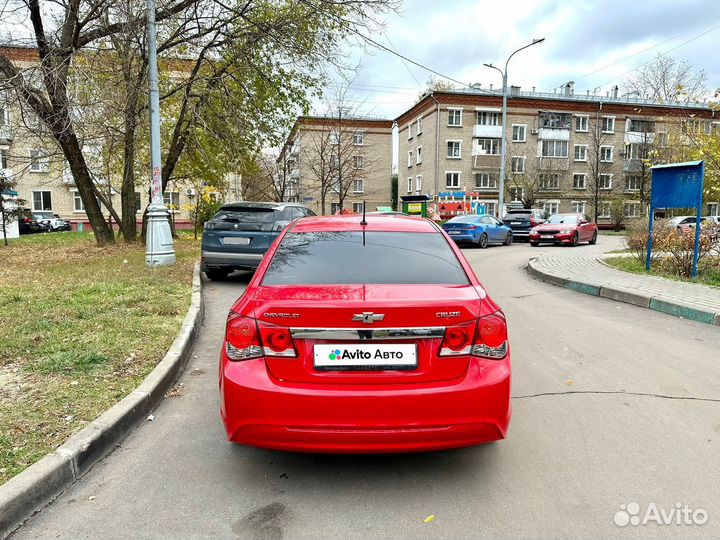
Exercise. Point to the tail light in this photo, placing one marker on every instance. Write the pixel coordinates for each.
(486, 337)
(246, 339)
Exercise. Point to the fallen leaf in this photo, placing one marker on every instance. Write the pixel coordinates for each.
(569, 382)
(429, 519)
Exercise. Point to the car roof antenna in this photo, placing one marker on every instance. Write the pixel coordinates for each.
(363, 222)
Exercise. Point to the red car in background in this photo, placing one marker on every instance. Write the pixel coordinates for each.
(361, 337)
(568, 229)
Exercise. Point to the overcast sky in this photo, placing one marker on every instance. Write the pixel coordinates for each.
(594, 43)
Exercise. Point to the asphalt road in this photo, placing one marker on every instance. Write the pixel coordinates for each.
(594, 427)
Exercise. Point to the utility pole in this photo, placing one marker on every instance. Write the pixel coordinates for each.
(160, 250)
(503, 139)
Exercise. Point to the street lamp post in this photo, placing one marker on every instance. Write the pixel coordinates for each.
(160, 250)
(503, 136)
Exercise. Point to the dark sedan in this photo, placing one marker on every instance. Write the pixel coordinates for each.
(237, 237)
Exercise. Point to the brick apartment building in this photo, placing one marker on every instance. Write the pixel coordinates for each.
(30, 156)
(561, 145)
(347, 160)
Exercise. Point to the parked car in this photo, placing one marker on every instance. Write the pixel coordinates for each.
(237, 237)
(569, 229)
(482, 230)
(522, 220)
(714, 220)
(356, 338)
(51, 222)
(27, 224)
(678, 221)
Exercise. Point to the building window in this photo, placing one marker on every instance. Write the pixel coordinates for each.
(555, 149)
(578, 207)
(517, 164)
(581, 152)
(3, 158)
(419, 126)
(605, 181)
(632, 183)
(452, 179)
(409, 131)
(359, 162)
(637, 151)
(171, 199)
(335, 185)
(631, 209)
(550, 181)
(606, 154)
(490, 207)
(4, 114)
(483, 181)
(78, 205)
(551, 207)
(418, 183)
(642, 126)
(334, 208)
(579, 180)
(485, 118)
(581, 124)
(42, 200)
(455, 117)
(453, 149)
(410, 158)
(604, 210)
(488, 147)
(409, 185)
(517, 193)
(358, 207)
(38, 161)
(335, 137)
(359, 138)
(712, 209)
(607, 124)
(555, 120)
(138, 203)
(519, 132)
(359, 185)
(418, 156)
(661, 138)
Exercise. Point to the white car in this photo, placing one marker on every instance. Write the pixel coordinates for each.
(51, 222)
(714, 220)
(677, 221)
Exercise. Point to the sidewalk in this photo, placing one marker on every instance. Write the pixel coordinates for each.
(588, 274)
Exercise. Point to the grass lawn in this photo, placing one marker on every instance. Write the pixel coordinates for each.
(80, 326)
(630, 264)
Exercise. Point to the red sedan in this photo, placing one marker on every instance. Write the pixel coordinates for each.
(364, 337)
(568, 229)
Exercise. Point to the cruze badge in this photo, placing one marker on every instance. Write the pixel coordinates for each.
(447, 314)
(283, 315)
(368, 317)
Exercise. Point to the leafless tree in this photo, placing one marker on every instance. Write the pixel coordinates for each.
(667, 79)
(599, 184)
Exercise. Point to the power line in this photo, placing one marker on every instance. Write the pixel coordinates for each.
(403, 61)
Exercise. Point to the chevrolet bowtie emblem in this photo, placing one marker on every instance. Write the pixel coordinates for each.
(368, 317)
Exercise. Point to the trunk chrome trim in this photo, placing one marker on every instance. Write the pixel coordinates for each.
(430, 332)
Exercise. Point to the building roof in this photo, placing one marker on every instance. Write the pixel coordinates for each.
(558, 101)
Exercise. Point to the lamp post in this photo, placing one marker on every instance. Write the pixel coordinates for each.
(160, 250)
(503, 140)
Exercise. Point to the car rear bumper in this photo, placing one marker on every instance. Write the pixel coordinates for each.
(260, 411)
(220, 259)
(466, 237)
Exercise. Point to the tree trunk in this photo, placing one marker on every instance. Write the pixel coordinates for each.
(127, 191)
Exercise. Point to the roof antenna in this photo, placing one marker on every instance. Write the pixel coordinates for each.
(363, 222)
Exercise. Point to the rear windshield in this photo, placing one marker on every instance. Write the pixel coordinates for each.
(520, 212)
(463, 219)
(357, 258)
(246, 214)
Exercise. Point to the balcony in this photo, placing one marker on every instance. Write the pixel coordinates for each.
(6, 134)
(554, 164)
(487, 132)
(632, 165)
(553, 134)
(639, 137)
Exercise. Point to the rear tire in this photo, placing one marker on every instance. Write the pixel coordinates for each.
(534, 244)
(217, 274)
(593, 240)
(483, 241)
(509, 239)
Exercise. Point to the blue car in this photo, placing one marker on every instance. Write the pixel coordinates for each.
(481, 230)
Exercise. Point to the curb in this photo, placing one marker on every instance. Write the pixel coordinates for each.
(28, 492)
(655, 302)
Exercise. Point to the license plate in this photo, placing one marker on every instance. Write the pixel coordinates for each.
(235, 241)
(515, 223)
(454, 232)
(365, 356)
(546, 236)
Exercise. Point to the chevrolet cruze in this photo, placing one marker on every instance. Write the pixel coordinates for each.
(365, 336)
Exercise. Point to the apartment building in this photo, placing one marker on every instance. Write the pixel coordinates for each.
(31, 158)
(565, 151)
(333, 163)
